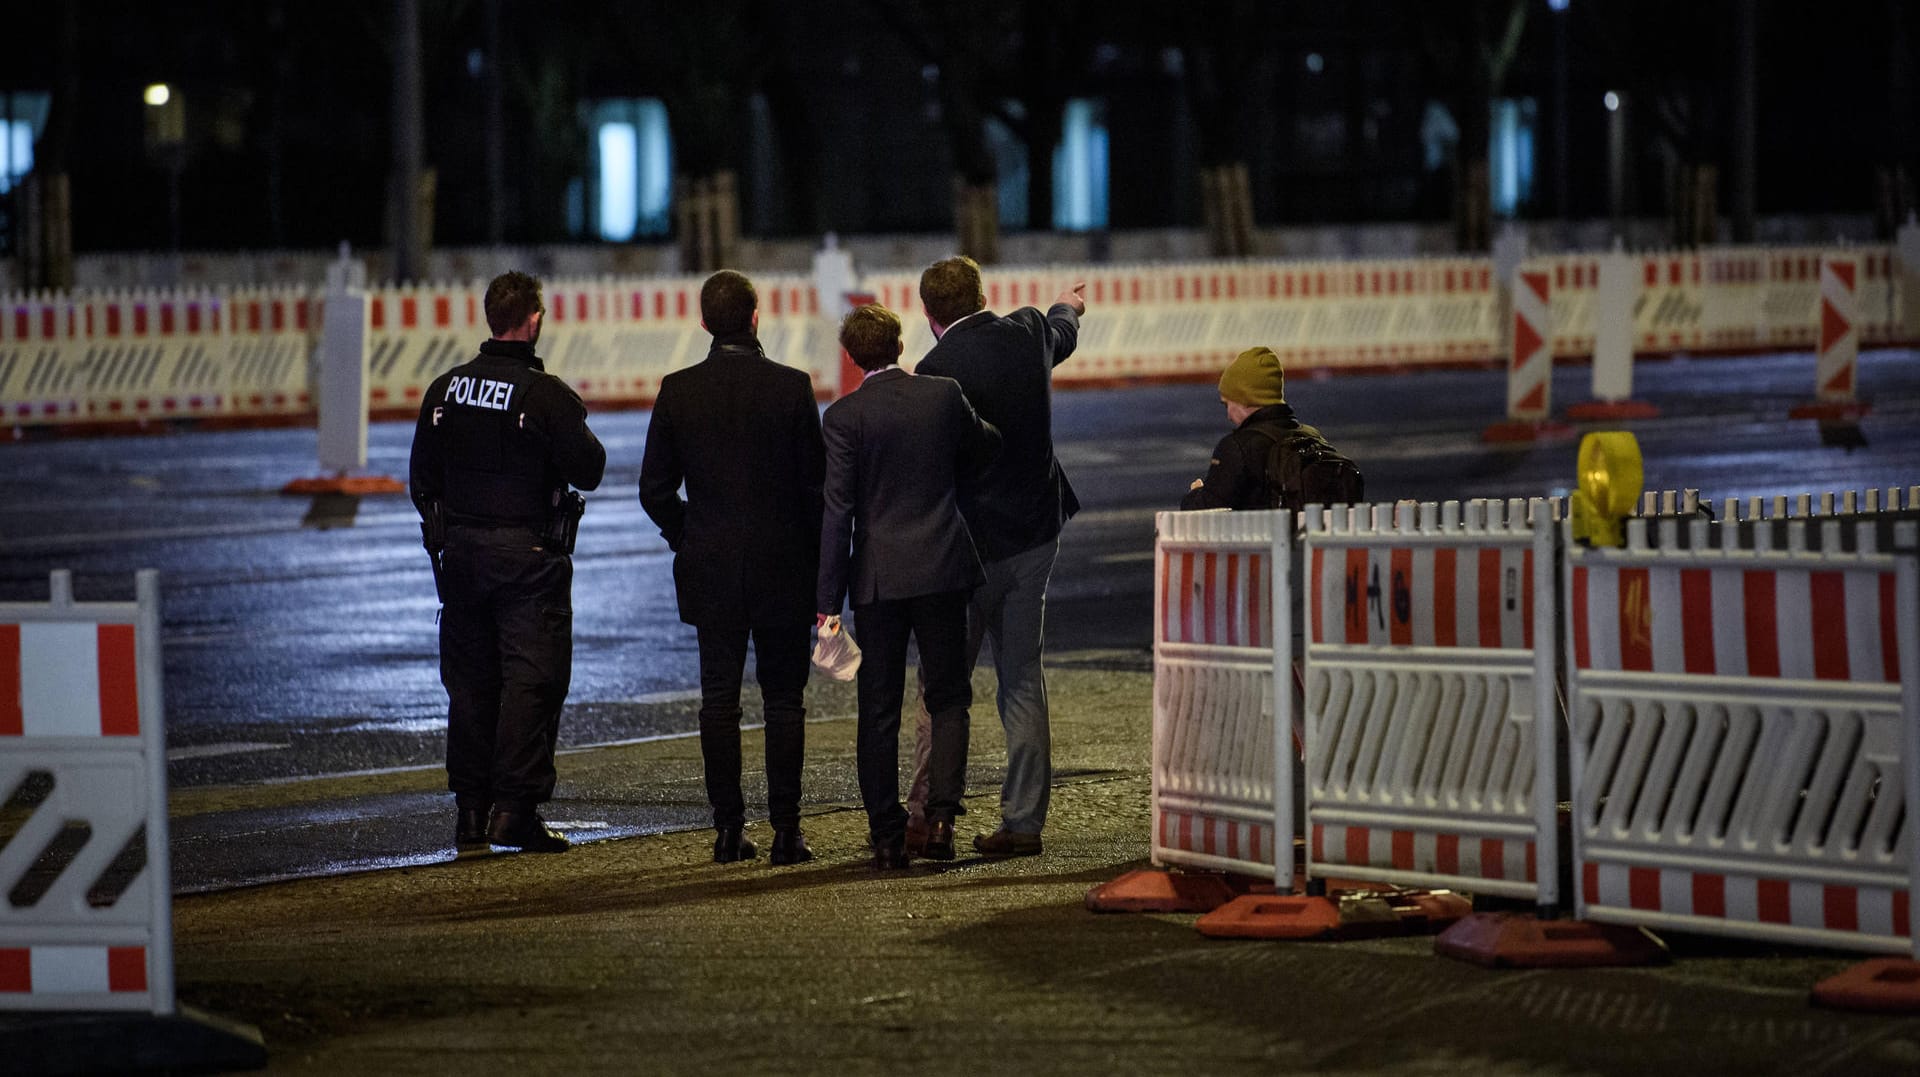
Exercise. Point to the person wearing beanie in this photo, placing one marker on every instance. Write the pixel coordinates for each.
(1253, 388)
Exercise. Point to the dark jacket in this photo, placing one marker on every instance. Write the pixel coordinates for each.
(896, 449)
(1237, 476)
(743, 433)
(498, 438)
(1005, 365)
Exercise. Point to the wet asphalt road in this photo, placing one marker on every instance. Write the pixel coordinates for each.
(299, 634)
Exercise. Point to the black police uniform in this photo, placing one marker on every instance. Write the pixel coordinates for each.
(497, 443)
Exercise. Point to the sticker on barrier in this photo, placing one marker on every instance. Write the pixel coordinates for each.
(88, 920)
(1427, 764)
(1742, 730)
(1217, 803)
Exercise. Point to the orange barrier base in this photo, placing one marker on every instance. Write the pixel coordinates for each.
(1514, 431)
(1519, 941)
(1606, 411)
(353, 485)
(1882, 985)
(1153, 890)
(1830, 411)
(1352, 914)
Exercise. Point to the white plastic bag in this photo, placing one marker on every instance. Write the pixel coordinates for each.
(835, 653)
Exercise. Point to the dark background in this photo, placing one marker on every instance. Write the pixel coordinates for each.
(840, 114)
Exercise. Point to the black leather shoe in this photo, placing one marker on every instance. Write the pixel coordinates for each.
(939, 840)
(730, 845)
(891, 854)
(470, 832)
(789, 847)
(525, 830)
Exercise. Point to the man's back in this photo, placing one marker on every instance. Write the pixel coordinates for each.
(743, 433)
(1005, 366)
(898, 447)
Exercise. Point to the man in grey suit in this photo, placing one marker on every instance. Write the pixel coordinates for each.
(893, 542)
(1015, 512)
(743, 433)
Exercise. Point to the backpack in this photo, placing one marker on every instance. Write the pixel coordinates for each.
(1304, 469)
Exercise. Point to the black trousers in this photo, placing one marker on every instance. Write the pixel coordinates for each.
(780, 656)
(938, 623)
(506, 658)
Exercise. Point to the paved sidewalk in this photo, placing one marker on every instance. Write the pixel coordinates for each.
(642, 956)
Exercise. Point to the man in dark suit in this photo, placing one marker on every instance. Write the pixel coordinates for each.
(1015, 513)
(893, 542)
(743, 432)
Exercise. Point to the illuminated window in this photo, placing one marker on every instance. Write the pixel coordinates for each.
(22, 115)
(1511, 151)
(1080, 168)
(632, 184)
(16, 152)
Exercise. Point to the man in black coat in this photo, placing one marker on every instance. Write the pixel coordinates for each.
(1015, 513)
(893, 544)
(743, 433)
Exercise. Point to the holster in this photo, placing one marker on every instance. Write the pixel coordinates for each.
(433, 538)
(564, 527)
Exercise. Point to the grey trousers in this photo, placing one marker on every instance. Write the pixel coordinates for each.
(1010, 609)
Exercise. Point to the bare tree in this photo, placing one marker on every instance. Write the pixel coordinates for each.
(1471, 44)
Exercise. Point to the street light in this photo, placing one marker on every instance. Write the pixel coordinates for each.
(167, 143)
(1616, 103)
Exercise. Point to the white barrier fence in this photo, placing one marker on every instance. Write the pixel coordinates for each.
(1743, 702)
(1744, 724)
(243, 353)
(88, 920)
(1431, 716)
(1222, 657)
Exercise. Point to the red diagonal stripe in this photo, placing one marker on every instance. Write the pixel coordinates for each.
(1832, 325)
(1537, 282)
(1526, 341)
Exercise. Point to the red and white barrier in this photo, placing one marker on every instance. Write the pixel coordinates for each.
(155, 354)
(1744, 720)
(1431, 719)
(88, 924)
(1530, 366)
(1222, 698)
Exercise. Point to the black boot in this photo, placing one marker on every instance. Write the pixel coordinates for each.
(470, 831)
(730, 845)
(525, 830)
(789, 846)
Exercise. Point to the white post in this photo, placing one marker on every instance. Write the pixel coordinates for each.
(1613, 328)
(1282, 554)
(1546, 717)
(342, 396)
(1906, 297)
(834, 280)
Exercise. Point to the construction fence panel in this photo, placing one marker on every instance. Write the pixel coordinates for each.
(1222, 646)
(87, 924)
(1430, 716)
(1743, 714)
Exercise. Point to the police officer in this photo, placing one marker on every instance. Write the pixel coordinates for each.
(498, 443)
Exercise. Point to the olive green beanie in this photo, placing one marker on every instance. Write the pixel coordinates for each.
(1254, 379)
